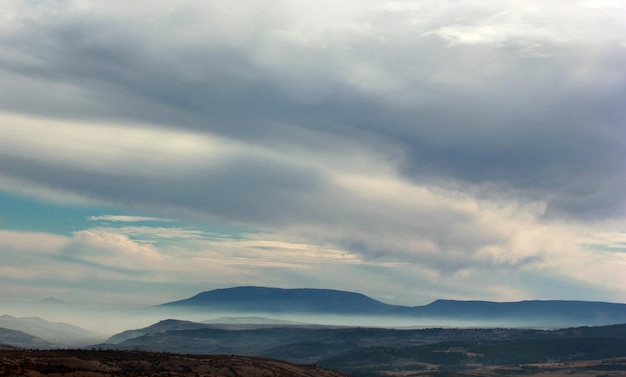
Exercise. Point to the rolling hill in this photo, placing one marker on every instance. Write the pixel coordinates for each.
(162, 326)
(364, 351)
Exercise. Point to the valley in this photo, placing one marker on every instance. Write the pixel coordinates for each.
(323, 328)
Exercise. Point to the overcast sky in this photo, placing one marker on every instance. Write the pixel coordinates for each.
(407, 150)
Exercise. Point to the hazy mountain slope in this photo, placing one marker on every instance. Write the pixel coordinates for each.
(537, 313)
(546, 313)
(277, 300)
(549, 313)
(162, 326)
(252, 320)
(57, 332)
(20, 339)
(250, 342)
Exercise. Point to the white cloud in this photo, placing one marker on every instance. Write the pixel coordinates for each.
(122, 218)
(112, 249)
(24, 242)
(130, 149)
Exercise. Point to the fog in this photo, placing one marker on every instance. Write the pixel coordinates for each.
(106, 321)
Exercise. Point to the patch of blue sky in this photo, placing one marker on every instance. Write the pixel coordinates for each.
(29, 214)
(21, 213)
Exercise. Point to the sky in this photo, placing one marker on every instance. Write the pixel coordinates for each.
(407, 150)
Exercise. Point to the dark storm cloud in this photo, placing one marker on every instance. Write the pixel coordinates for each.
(440, 136)
(262, 192)
(491, 115)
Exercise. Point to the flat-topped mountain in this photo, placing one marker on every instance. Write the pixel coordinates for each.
(277, 300)
(546, 313)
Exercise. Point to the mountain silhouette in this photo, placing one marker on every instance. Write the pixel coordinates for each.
(535, 311)
(552, 313)
(277, 300)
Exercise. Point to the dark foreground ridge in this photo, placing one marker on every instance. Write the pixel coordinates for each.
(367, 352)
(93, 363)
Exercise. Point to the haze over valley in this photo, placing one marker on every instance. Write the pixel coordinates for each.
(346, 331)
(262, 307)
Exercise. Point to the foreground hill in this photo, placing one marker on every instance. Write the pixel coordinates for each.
(365, 351)
(277, 300)
(548, 313)
(119, 363)
(162, 326)
(222, 323)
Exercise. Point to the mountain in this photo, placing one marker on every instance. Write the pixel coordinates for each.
(53, 301)
(277, 300)
(250, 342)
(222, 323)
(548, 313)
(20, 339)
(525, 313)
(162, 326)
(57, 332)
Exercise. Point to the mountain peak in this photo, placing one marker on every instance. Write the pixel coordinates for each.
(52, 300)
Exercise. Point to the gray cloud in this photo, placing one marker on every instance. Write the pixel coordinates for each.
(487, 112)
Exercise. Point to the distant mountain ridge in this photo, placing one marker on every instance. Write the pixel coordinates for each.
(278, 300)
(57, 332)
(532, 311)
(251, 299)
(20, 339)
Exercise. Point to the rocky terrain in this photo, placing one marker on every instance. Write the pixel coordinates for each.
(99, 363)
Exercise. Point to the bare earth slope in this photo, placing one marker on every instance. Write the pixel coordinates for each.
(83, 363)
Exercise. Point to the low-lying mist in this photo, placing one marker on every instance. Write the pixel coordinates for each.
(105, 321)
